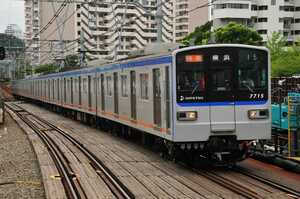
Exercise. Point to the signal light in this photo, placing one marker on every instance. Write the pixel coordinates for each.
(2, 53)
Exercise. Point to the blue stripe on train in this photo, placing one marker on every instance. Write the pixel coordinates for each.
(237, 103)
(130, 64)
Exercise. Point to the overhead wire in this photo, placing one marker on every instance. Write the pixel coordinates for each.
(113, 29)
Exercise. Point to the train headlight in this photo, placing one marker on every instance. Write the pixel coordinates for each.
(258, 114)
(187, 116)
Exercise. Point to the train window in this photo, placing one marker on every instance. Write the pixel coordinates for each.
(76, 85)
(221, 80)
(84, 85)
(191, 81)
(108, 86)
(124, 86)
(252, 70)
(99, 84)
(68, 85)
(53, 89)
(144, 79)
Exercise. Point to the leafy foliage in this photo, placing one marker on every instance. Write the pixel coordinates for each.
(200, 36)
(285, 60)
(72, 61)
(46, 69)
(275, 44)
(237, 34)
(11, 42)
(230, 33)
(286, 65)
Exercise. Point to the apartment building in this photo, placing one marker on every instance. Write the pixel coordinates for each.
(189, 14)
(31, 26)
(266, 16)
(104, 29)
(15, 30)
(111, 29)
(44, 45)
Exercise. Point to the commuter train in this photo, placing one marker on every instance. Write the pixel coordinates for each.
(209, 101)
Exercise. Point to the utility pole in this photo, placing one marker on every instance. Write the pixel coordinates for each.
(61, 31)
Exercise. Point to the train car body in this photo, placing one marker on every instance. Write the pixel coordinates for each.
(280, 117)
(206, 100)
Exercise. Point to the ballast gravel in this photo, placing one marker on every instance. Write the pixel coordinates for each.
(20, 176)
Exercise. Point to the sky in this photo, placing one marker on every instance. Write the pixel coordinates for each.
(11, 12)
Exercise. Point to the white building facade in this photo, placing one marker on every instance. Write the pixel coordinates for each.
(32, 26)
(111, 29)
(188, 15)
(15, 30)
(266, 16)
(104, 29)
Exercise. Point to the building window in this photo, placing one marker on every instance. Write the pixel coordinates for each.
(108, 86)
(232, 6)
(254, 7)
(287, 8)
(262, 7)
(260, 20)
(273, 2)
(263, 32)
(144, 79)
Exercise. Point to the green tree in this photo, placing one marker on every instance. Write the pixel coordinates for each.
(230, 33)
(275, 44)
(286, 65)
(46, 69)
(72, 61)
(237, 34)
(200, 36)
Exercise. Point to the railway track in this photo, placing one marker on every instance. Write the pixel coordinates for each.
(226, 179)
(289, 191)
(229, 184)
(72, 186)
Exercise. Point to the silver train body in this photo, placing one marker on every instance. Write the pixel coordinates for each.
(211, 99)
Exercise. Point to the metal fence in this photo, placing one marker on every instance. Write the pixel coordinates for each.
(281, 86)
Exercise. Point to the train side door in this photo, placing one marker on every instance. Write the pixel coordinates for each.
(102, 93)
(133, 94)
(116, 94)
(156, 97)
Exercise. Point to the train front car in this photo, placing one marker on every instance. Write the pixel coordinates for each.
(221, 100)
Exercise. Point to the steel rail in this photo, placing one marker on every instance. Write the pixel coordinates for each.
(57, 156)
(229, 184)
(292, 193)
(113, 183)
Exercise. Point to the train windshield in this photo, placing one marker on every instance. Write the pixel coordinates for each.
(251, 73)
(221, 74)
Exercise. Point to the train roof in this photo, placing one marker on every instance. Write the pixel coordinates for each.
(163, 56)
